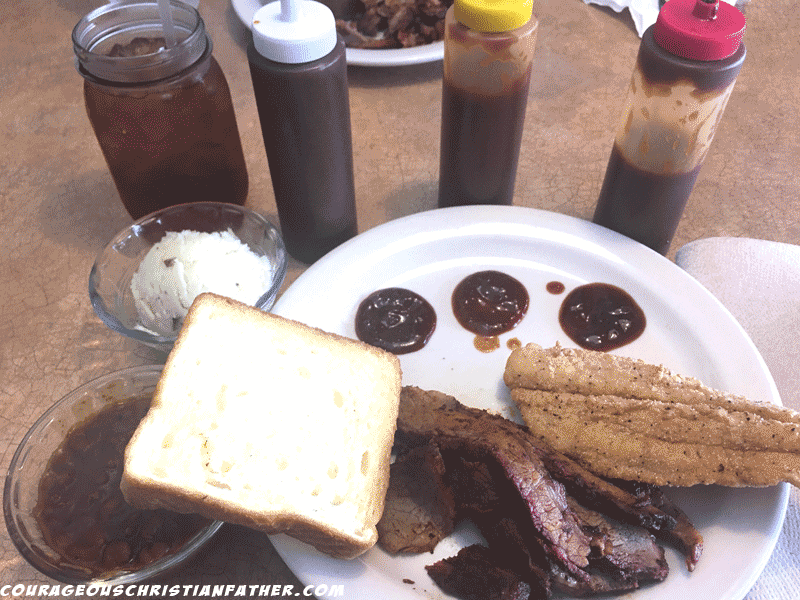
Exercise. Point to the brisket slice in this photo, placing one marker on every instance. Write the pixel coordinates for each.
(517, 472)
(624, 552)
(626, 502)
(420, 509)
(498, 475)
(476, 574)
(601, 494)
(621, 557)
(630, 502)
(683, 536)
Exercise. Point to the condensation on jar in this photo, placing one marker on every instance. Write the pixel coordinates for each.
(161, 111)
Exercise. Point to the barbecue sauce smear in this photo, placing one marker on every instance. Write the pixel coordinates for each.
(395, 319)
(601, 316)
(595, 316)
(489, 303)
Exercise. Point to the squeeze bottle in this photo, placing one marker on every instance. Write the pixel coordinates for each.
(488, 54)
(299, 72)
(685, 71)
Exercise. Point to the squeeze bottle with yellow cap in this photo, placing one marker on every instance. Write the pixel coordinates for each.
(488, 54)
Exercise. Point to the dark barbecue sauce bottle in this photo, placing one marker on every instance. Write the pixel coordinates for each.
(687, 65)
(299, 72)
(488, 54)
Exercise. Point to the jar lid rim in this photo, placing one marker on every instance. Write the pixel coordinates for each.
(121, 22)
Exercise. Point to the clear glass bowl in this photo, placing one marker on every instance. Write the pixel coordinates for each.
(31, 459)
(110, 278)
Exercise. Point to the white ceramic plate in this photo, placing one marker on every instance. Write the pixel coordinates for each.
(688, 331)
(245, 9)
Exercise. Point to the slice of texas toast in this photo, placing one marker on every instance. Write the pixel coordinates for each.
(266, 422)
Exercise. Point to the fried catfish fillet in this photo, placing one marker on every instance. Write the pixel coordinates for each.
(626, 419)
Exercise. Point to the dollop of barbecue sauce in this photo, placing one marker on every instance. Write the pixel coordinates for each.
(489, 303)
(601, 316)
(395, 319)
(555, 287)
(81, 512)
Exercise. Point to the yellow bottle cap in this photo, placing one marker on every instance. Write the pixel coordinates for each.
(492, 16)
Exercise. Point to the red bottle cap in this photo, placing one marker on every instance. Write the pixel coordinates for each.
(699, 29)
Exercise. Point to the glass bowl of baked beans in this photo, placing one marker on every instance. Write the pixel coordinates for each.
(63, 506)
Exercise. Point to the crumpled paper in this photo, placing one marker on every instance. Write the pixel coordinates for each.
(758, 281)
(643, 12)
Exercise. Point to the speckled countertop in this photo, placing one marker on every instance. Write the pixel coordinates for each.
(58, 205)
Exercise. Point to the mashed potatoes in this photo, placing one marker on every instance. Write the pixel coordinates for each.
(186, 263)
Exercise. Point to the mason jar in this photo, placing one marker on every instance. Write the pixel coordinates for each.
(160, 106)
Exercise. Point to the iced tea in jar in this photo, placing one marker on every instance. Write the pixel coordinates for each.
(160, 106)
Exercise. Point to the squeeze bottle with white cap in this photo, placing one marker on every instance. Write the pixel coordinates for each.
(299, 72)
(488, 55)
(687, 65)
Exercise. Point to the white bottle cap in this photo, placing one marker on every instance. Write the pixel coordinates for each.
(294, 31)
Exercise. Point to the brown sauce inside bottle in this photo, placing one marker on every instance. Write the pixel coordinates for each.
(482, 135)
(304, 112)
(489, 303)
(395, 319)
(644, 206)
(166, 147)
(81, 512)
(600, 316)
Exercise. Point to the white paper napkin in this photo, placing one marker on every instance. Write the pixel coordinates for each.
(643, 12)
(759, 283)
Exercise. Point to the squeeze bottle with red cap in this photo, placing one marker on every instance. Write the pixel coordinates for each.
(488, 54)
(685, 71)
(299, 72)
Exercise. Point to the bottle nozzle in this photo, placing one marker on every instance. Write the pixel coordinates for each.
(294, 31)
(699, 29)
(290, 11)
(706, 9)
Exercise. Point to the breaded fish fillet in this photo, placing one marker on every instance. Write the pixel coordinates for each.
(626, 419)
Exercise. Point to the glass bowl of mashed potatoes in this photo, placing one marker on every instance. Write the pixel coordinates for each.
(63, 507)
(143, 282)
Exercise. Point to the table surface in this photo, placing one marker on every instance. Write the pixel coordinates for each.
(58, 204)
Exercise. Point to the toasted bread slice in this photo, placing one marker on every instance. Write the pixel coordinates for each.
(623, 418)
(266, 422)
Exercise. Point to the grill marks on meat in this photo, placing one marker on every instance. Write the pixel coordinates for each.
(539, 512)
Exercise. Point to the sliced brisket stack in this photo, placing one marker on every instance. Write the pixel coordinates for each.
(550, 524)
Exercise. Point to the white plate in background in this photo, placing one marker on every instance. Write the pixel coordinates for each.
(392, 57)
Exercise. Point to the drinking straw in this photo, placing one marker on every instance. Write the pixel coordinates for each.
(166, 18)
